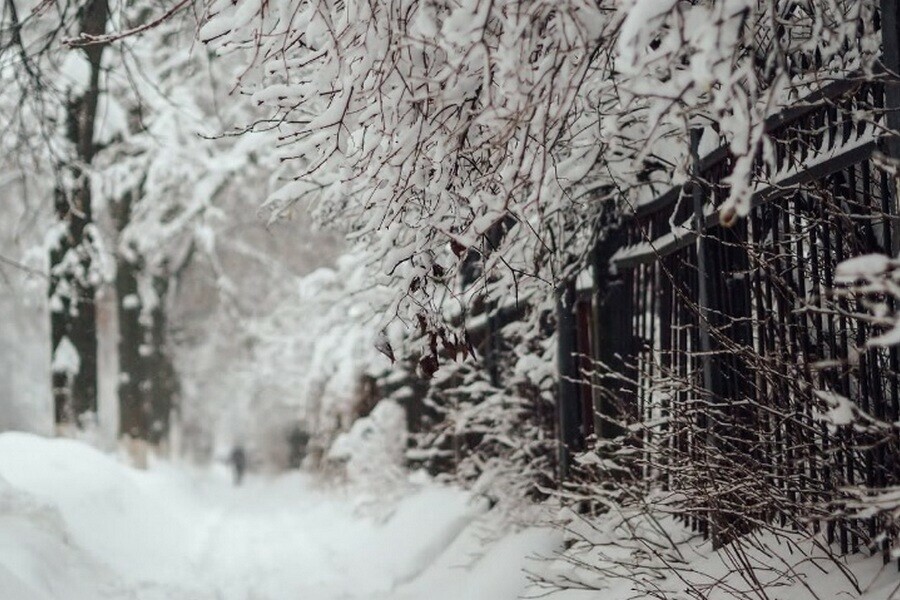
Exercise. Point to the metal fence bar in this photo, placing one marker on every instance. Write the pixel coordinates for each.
(567, 369)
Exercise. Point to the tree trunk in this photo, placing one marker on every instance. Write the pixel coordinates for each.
(132, 372)
(147, 382)
(162, 387)
(132, 367)
(72, 272)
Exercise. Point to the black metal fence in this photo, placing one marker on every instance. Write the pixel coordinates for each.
(730, 356)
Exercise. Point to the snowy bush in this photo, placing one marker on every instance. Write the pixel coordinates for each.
(490, 422)
(372, 453)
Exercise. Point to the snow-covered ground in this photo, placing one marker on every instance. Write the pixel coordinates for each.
(76, 524)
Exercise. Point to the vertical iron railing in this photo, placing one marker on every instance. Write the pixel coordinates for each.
(737, 335)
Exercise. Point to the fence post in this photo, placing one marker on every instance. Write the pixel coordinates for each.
(890, 40)
(612, 339)
(703, 313)
(568, 409)
(702, 271)
(890, 57)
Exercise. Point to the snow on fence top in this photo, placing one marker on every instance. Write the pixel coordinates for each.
(838, 146)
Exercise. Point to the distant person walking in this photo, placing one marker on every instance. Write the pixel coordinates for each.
(298, 441)
(239, 463)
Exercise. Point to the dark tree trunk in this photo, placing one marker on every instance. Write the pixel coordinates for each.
(147, 379)
(131, 364)
(162, 385)
(72, 282)
(132, 368)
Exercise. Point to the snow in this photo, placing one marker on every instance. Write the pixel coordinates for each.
(131, 301)
(78, 524)
(865, 266)
(641, 13)
(65, 358)
(76, 72)
(787, 565)
(651, 248)
(841, 410)
(374, 447)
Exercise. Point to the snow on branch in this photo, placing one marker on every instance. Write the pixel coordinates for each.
(446, 133)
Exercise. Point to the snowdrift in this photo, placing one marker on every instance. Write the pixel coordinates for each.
(76, 524)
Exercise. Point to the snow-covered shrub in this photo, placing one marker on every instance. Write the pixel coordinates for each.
(491, 425)
(372, 452)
